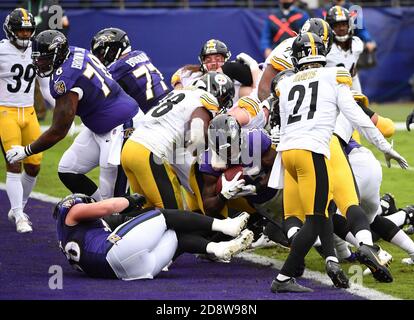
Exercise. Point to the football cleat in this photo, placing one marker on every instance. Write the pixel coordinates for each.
(385, 258)
(22, 222)
(408, 261)
(288, 286)
(388, 205)
(237, 224)
(368, 255)
(409, 210)
(227, 249)
(262, 242)
(337, 275)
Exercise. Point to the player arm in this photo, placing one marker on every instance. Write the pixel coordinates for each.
(213, 203)
(200, 119)
(385, 125)
(356, 116)
(63, 116)
(264, 84)
(96, 210)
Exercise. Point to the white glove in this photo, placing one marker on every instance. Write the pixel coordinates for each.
(247, 60)
(16, 153)
(275, 135)
(392, 154)
(230, 188)
(247, 190)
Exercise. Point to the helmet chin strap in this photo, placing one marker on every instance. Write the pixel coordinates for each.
(342, 38)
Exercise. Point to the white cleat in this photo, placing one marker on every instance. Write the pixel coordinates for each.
(237, 224)
(385, 259)
(408, 261)
(262, 242)
(227, 249)
(22, 222)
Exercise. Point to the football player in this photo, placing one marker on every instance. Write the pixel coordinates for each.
(346, 48)
(156, 158)
(18, 121)
(133, 70)
(81, 86)
(214, 56)
(309, 103)
(142, 246)
(409, 120)
(280, 57)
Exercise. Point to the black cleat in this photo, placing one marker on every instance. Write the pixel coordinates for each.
(288, 286)
(368, 255)
(337, 275)
(388, 205)
(409, 210)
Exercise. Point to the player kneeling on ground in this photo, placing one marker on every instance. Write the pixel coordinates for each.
(141, 247)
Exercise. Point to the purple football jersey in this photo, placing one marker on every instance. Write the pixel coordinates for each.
(103, 105)
(140, 79)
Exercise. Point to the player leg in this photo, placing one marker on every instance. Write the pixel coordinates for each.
(76, 162)
(159, 182)
(311, 172)
(11, 122)
(31, 164)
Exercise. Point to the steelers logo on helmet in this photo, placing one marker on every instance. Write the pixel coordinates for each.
(220, 79)
(306, 26)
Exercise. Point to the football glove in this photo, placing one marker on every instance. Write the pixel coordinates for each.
(229, 188)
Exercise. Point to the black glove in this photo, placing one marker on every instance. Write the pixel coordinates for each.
(410, 119)
(136, 202)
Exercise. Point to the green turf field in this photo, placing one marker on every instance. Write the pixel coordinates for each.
(395, 180)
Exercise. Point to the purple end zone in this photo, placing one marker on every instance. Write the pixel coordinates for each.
(25, 260)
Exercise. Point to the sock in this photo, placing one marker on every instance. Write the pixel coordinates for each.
(212, 247)
(364, 236)
(342, 249)
(28, 182)
(15, 191)
(292, 231)
(352, 240)
(402, 240)
(219, 225)
(398, 218)
(282, 278)
(331, 258)
(97, 195)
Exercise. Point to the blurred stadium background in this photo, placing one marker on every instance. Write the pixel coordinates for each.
(173, 31)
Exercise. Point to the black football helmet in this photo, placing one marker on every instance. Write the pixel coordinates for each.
(69, 201)
(220, 86)
(339, 14)
(321, 28)
(50, 48)
(224, 138)
(308, 48)
(213, 46)
(108, 44)
(19, 19)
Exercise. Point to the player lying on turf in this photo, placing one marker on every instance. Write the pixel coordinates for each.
(141, 247)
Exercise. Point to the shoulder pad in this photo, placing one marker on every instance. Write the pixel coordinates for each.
(280, 64)
(251, 105)
(209, 102)
(343, 77)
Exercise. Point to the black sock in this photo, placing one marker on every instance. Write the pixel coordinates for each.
(190, 243)
(326, 237)
(186, 221)
(78, 183)
(357, 219)
(385, 228)
(340, 226)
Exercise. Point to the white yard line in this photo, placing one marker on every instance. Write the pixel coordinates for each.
(355, 289)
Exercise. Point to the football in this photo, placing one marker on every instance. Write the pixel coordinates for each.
(229, 174)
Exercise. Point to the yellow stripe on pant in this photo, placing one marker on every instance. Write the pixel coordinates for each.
(19, 126)
(308, 184)
(345, 192)
(150, 176)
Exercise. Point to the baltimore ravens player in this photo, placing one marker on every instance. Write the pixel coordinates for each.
(309, 103)
(142, 246)
(18, 121)
(133, 70)
(81, 86)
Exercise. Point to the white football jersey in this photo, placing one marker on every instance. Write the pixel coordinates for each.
(310, 102)
(17, 76)
(187, 78)
(347, 59)
(280, 57)
(164, 128)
